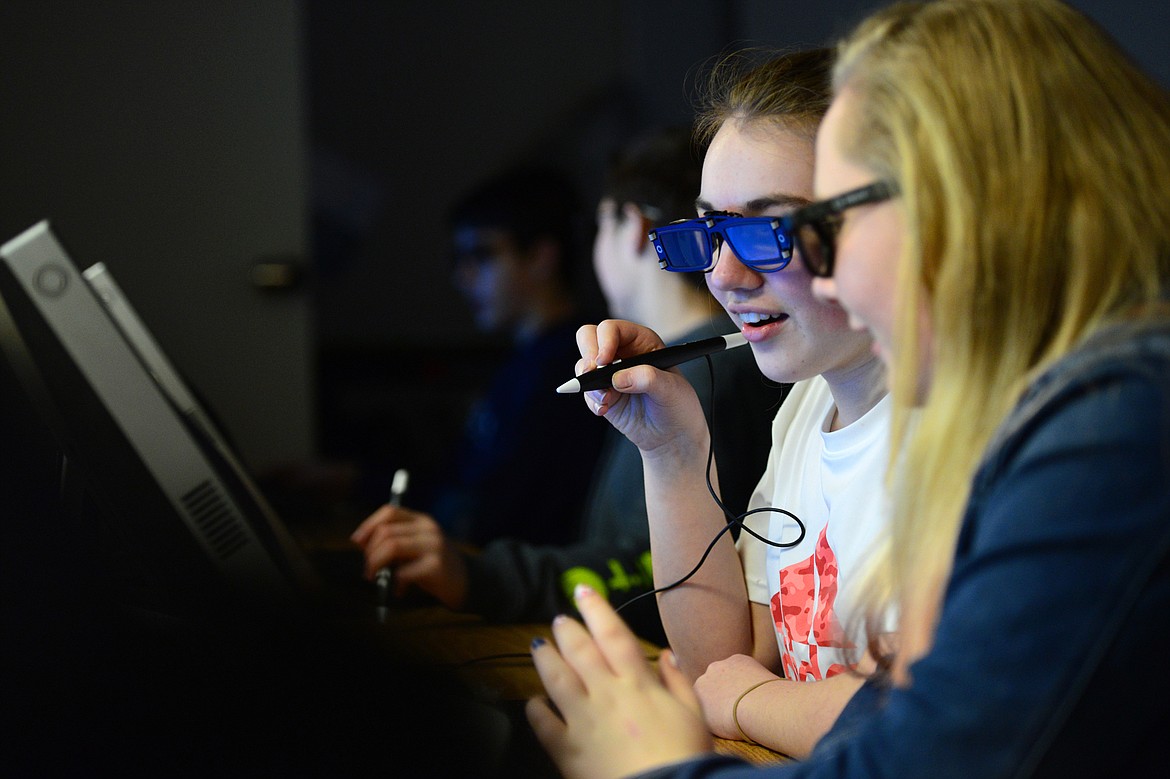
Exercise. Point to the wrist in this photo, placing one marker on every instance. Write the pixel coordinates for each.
(682, 454)
(451, 586)
(739, 700)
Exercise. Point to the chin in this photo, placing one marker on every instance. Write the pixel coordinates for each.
(782, 372)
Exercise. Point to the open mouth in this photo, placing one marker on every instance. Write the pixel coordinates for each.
(754, 319)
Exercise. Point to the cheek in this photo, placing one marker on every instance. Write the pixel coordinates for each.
(863, 295)
(604, 263)
(823, 321)
(794, 288)
(719, 295)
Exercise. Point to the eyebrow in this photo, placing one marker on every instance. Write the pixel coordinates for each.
(759, 204)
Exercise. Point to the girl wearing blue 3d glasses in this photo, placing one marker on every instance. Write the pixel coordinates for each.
(992, 177)
(769, 630)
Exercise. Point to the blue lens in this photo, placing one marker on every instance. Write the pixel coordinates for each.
(683, 247)
(757, 243)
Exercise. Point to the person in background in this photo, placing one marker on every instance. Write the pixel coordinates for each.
(517, 469)
(992, 177)
(653, 178)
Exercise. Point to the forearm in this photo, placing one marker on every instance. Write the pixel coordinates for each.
(707, 618)
(790, 716)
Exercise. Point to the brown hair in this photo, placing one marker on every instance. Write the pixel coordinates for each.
(791, 88)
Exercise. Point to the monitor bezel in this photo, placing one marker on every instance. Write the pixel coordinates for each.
(159, 472)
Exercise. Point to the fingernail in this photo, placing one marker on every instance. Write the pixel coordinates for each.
(669, 657)
(537, 643)
(582, 590)
(558, 619)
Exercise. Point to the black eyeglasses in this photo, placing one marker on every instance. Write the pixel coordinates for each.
(814, 227)
(689, 245)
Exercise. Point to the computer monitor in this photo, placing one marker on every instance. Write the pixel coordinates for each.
(160, 473)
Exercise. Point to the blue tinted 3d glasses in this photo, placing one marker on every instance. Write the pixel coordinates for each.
(688, 245)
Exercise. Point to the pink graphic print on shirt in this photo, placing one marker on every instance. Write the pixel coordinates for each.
(805, 617)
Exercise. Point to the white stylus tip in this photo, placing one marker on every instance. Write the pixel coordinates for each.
(734, 339)
(572, 385)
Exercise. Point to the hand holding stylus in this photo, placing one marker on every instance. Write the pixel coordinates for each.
(384, 580)
(664, 358)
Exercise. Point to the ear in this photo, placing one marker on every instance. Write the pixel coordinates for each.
(636, 225)
(544, 259)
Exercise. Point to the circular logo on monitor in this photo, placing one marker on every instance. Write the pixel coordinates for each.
(52, 280)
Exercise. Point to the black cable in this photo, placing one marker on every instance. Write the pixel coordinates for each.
(732, 519)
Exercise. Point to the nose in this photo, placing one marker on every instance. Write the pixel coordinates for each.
(731, 274)
(825, 289)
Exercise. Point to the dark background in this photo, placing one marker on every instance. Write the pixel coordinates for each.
(410, 103)
(380, 112)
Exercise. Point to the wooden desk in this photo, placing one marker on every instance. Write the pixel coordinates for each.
(494, 659)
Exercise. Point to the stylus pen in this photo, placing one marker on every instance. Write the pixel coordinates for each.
(385, 575)
(660, 358)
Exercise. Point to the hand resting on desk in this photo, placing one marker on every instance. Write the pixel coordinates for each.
(617, 716)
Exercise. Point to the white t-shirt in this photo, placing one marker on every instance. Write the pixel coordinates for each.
(832, 481)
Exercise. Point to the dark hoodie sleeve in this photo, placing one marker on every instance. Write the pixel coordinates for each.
(511, 581)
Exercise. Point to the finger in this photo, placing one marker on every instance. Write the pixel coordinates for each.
(612, 639)
(587, 346)
(550, 729)
(369, 524)
(418, 566)
(601, 401)
(676, 681)
(580, 653)
(392, 551)
(619, 338)
(561, 682)
(642, 379)
(594, 404)
(400, 527)
(608, 338)
(408, 574)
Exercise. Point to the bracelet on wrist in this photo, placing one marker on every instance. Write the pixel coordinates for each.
(735, 708)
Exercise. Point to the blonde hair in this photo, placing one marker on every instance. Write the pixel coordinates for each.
(1032, 157)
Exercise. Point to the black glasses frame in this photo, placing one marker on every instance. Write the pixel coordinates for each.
(814, 228)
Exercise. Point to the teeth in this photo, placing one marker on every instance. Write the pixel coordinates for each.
(754, 318)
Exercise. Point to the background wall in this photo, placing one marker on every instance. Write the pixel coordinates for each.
(411, 104)
(168, 141)
(182, 141)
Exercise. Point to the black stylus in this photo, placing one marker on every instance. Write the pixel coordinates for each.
(661, 358)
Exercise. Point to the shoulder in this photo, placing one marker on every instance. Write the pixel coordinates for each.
(807, 403)
(1090, 439)
(1115, 386)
